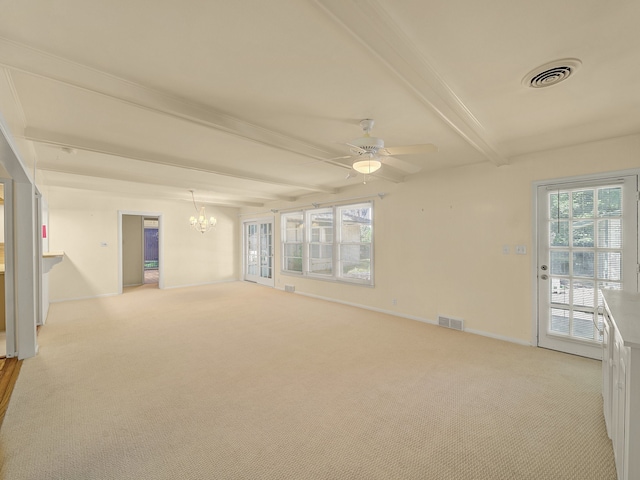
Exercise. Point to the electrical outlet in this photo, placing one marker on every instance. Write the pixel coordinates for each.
(394, 301)
(506, 249)
(521, 250)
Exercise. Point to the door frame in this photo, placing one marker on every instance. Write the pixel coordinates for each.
(534, 232)
(157, 215)
(258, 221)
(9, 285)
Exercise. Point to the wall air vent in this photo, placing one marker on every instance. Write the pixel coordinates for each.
(290, 288)
(551, 73)
(453, 323)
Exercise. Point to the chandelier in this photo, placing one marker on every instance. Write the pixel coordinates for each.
(200, 222)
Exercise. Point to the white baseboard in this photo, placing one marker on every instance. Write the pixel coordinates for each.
(114, 294)
(60, 300)
(200, 284)
(418, 319)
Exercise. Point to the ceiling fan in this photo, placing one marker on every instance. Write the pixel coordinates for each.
(369, 153)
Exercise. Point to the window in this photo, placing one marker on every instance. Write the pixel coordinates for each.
(321, 242)
(292, 234)
(331, 243)
(355, 242)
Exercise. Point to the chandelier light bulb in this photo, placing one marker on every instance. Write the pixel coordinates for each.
(201, 223)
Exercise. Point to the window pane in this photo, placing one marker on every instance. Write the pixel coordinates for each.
(356, 261)
(560, 263)
(610, 202)
(583, 293)
(293, 250)
(321, 246)
(583, 264)
(582, 203)
(559, 290)
(560, 321)
(356, 225)
(609, 265)
(583, 326)
(559, 233)
(559, 205)
(365, 233)
(293, 264)
(321, 259)
(321, 224)
(583, 233)
(610, 233)
(292, 227)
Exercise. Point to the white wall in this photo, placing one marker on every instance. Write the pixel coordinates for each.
(439, 238)
(80, 222)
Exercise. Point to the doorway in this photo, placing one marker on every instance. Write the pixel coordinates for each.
(258, 252)
(140, 252)
(151, 265)
(587, 240)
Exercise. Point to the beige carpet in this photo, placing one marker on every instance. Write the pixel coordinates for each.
(238, 381)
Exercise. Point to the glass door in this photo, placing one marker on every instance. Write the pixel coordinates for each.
(258, 252)
(587, 241)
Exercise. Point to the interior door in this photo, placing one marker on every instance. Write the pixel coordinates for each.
(258, 252)
(587, 241)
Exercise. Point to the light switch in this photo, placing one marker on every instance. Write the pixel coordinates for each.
(506, 250)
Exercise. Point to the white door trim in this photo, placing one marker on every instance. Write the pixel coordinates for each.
(576, 180)
(9, 284)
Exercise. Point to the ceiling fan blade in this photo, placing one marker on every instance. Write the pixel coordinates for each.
(402, 165)
(409, 149)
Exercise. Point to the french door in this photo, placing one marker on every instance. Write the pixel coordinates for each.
(258, 252)
(587, 241)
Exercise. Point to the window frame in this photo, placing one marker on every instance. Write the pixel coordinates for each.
(285, 243)
(337, 242)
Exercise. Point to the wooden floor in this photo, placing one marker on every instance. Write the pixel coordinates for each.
(9, 370)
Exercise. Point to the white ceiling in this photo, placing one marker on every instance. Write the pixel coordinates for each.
(247, 102)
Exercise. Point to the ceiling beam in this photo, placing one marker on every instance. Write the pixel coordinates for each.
(9, 158)
(61, 140)
(376, 30)
(101, 182)
(22, 58)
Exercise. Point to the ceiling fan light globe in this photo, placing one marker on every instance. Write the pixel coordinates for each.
(367, 167)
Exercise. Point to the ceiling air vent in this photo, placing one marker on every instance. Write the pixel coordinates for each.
(551, 73)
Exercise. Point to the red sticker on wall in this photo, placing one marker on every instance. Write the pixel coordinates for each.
(44, 231)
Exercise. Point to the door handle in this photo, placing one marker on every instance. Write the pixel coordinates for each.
(544, 277)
